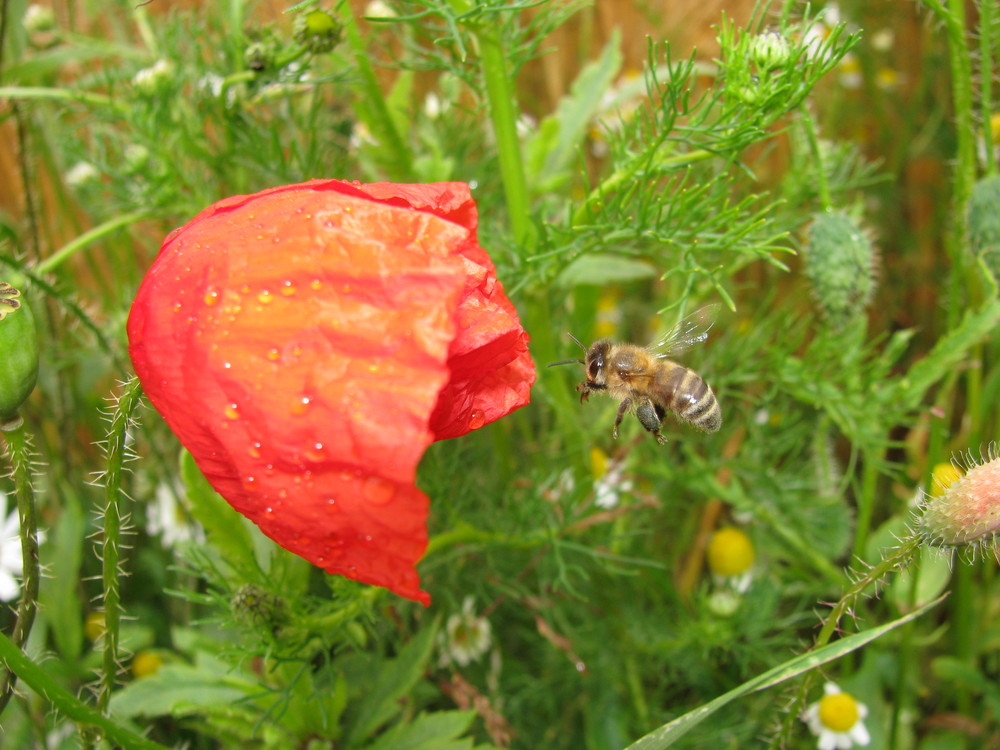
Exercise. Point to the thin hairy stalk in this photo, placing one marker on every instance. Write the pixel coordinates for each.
(17, 451)
(121, 419)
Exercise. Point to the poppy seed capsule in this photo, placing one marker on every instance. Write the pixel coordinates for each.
(840, 263)
(968, 511)
(18, 350)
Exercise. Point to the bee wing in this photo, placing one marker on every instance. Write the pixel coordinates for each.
(687, 332)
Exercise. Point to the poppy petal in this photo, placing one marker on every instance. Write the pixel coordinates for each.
(307, 343)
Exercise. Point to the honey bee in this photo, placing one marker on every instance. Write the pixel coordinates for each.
(648, 384)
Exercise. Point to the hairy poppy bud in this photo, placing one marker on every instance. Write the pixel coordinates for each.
(18, 349)
(307, 343)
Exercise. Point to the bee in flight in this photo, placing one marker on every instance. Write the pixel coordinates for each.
(648, 384)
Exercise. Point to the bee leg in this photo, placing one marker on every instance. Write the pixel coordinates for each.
(646, 413)
(623, 407)
(584, 389)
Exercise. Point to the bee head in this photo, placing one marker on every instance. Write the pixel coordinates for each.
(597, 357)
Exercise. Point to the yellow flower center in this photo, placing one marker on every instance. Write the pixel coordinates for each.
(942, 476)
(730, 552)
(838, 712)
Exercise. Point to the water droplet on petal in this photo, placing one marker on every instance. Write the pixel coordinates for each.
(273, 354)
(378, 491)
(288, 289)
(315, 284)
(300, 406)
(212, 297)
(254, 450)
(232, 411)
(265, 297)
(476, 420)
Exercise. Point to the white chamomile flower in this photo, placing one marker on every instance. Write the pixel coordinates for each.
(10, 552)
(466, 636)
(167, 519)
(837, 719)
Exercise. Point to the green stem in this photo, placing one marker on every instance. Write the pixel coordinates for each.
(116, 450)
(822, 184)
(866, 500)
(898, 560)
(92, 235)
(987, 22)
(627, 173)
(72, 95)
(65, 703)
(18, 453)
(503, 114)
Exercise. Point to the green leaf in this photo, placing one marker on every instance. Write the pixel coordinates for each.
(605, 268)
(394, 680)
(58, 595)
(666, 735)
(553, 147)
(223, 525)
(178, 690)
(948, 352)
(436, 731)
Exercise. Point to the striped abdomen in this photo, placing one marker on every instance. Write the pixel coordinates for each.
(688, 396)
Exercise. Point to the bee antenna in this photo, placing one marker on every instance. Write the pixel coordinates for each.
(578, 342)
(567, 362)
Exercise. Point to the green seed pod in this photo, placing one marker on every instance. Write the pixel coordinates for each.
(18, 351)
(984, 223)
(840, 263)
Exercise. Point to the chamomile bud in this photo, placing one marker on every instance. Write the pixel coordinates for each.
(770, 50)
(967, 511)
(18, 350)
(318, 31)
(840, 264)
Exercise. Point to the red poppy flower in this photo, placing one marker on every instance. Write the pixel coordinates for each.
(307, 343)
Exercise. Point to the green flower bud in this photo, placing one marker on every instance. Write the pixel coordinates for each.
(18, 351)
(257, 606)
(984, 223)
(770, 50)
(840, 262)
(318, 31)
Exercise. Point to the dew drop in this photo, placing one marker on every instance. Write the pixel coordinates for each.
(254, 450)
(265, 297)
(288, 289)
(177, 307)
(476, 420)
(227, 365)
(378, 491)
(316, 453)
(300, 406)
(315, 284)
(212, 297)
(231, 411)
(273, 354)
